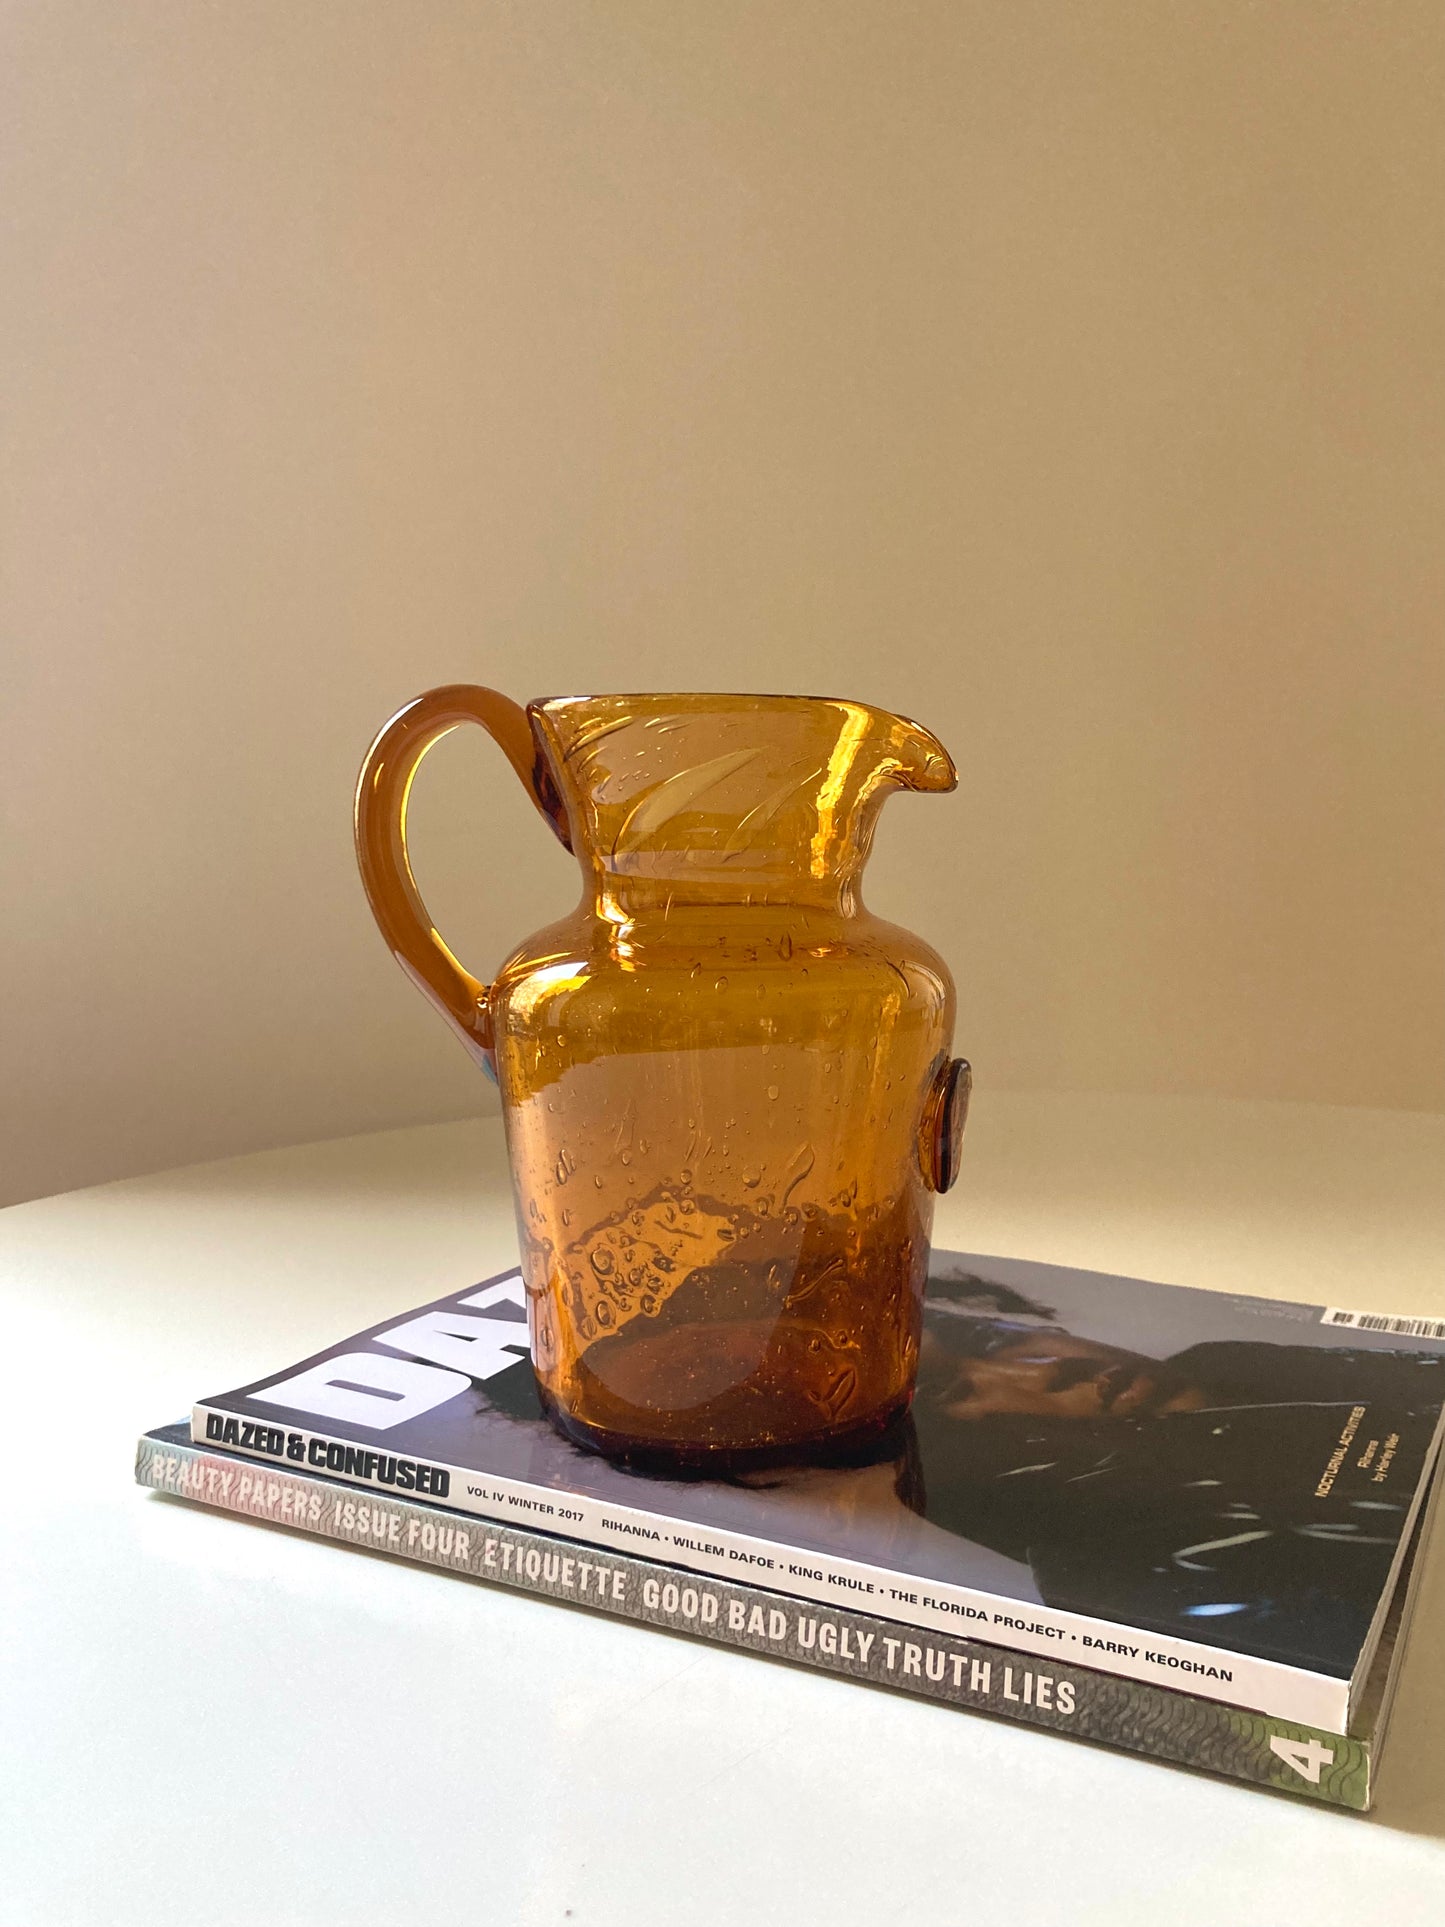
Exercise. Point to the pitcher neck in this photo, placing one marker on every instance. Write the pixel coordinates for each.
(627, 900)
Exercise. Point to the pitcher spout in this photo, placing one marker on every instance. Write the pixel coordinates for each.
(924, 764)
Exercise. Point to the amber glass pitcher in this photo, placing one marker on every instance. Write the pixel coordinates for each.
(727, 1088)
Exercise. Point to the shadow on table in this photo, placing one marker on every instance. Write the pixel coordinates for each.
(1412, 1782)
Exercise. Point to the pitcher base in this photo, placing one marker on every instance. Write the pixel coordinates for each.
(858, 1444)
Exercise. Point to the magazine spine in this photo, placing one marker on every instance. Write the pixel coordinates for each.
(929, 1605)
(1160, 1722)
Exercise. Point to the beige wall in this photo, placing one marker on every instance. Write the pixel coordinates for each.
(1070, 377)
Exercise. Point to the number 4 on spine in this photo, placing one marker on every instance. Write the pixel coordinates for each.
(1307, 1757)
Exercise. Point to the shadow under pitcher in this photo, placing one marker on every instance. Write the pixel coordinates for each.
(726, 1086)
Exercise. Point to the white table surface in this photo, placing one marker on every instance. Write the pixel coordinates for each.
(204, 1720)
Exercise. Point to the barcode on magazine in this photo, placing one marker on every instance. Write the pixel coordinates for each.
(1371, 1321)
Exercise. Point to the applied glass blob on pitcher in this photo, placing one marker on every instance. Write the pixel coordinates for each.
(726, 1086)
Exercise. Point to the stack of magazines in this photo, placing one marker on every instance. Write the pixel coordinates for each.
(1181, 1522)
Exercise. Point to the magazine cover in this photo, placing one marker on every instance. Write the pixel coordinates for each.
(1189, 1488)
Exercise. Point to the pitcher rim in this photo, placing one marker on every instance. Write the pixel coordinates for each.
(712, 695)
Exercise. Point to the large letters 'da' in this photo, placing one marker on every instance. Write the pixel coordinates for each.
(443, 1352)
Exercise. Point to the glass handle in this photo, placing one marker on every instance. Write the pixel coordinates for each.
(382, 793)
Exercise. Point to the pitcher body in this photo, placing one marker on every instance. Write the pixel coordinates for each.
(726, 1086)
